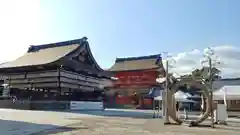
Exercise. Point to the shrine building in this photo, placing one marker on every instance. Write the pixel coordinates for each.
(136, 77)
(63, 71)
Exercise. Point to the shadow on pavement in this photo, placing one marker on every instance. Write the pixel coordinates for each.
(9, 127)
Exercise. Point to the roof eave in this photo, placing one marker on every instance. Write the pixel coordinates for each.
(147, 69)
(26, 66)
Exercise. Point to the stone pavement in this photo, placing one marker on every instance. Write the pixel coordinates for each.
(22, 122)
(18, 122)
(131, 126)
(149, 113)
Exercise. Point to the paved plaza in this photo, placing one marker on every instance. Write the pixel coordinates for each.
(110, 122)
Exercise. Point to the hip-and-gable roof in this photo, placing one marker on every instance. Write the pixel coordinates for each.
(136, 63)
(38, 55)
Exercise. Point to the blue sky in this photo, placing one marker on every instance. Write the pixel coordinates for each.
(121, 28)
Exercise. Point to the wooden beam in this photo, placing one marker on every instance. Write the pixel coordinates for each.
(81, 77)
(53, 73)
(78, 76)
(38, 85)
(33, 80)
(75, 86)
(42, 74)
(71, 75)
(79, 82)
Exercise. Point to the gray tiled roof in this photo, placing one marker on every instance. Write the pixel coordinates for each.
(41, 56)
(135, 63)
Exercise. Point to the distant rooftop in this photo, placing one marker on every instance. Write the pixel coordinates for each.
(136, 63)
(137, 58)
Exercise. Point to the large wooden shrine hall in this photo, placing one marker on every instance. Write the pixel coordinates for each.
(57, 71)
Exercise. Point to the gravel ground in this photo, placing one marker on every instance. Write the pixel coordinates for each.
(136, 126)
(17, 122)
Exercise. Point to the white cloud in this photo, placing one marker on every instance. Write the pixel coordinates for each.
(228, 56)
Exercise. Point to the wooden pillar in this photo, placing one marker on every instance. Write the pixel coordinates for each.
(70, 94)
(9, 84)
(29, 93)
(7, 89)
(59, 85)
(45, 93)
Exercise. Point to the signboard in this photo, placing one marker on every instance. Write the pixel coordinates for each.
(85, 105)
(221, 113)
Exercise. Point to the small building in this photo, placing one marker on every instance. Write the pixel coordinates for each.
(229, 90)
(136, 77)
(62, 71)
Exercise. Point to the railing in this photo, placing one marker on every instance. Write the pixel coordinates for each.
(51, 105)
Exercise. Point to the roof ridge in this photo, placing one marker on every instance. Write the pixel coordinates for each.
(35, 48)
(137, 58)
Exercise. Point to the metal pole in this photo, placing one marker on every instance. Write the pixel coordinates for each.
(211, 95)
(154, 109)
(159, 109)
(166, 97)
